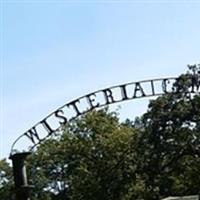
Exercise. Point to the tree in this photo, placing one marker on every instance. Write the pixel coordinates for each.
(6, 180)
(91, 160)
(169, 143)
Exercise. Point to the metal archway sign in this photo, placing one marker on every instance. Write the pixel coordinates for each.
(129, 91)
(54, 121)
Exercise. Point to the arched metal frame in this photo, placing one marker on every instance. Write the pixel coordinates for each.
(110, 95)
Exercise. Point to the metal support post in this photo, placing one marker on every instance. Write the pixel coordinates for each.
(22, 189)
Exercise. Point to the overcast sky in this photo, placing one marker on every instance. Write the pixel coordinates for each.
(55, 51)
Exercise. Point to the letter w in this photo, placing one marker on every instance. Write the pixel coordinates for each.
(32, 135)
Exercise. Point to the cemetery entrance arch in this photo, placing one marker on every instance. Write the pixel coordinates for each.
(54, 121)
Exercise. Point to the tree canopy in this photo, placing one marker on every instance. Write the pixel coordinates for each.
(99, 157)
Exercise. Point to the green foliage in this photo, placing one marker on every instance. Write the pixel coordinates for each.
(97, 157)
(92, 159)
(169, 144)
(5, 180)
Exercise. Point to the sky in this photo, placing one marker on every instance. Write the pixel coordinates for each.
(55, 51)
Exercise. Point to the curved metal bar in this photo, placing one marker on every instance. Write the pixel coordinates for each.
(136, 84)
